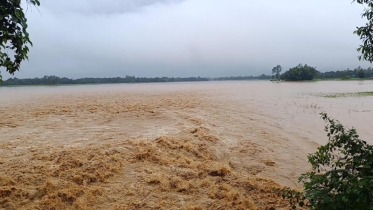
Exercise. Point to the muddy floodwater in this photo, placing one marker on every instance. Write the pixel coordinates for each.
(202, 145)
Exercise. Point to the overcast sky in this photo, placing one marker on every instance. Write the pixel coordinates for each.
(107, 38)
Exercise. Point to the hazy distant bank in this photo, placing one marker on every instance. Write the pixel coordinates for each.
(55, 80)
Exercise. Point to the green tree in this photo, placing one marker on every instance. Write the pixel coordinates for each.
(14, 37)
(361, 73)
(366, 32)
(300, 73)
(276, 72)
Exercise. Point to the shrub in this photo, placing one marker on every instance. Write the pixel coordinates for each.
(342, 176)
(346, 77)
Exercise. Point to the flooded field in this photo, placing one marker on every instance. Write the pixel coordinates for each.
(208, 145)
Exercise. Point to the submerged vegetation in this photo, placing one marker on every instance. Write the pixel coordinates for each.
(342, 176)
(339, 95)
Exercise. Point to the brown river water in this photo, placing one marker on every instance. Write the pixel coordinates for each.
(202, 145)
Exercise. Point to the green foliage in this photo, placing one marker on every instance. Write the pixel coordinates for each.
(346, 77)
(366, 32)
(295, 198)
(276, 72)
(368, 73)
(300, 73)
(13, 34)
(342, 176)
(361, 73)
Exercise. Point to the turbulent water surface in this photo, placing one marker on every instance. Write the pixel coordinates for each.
(188, 145)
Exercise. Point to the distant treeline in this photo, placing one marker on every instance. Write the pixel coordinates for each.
(347, 74)
(55, 80)
(263, 76)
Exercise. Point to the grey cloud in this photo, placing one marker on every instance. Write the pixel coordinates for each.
(90, 7)
(190, 38)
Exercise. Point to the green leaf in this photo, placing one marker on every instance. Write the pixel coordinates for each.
(15, 38)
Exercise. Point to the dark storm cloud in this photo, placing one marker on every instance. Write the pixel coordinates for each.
(81, 38)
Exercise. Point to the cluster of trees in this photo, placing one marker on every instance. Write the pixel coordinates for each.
(55, 80)
(299, 73)
(345, 74)
(305, 72)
